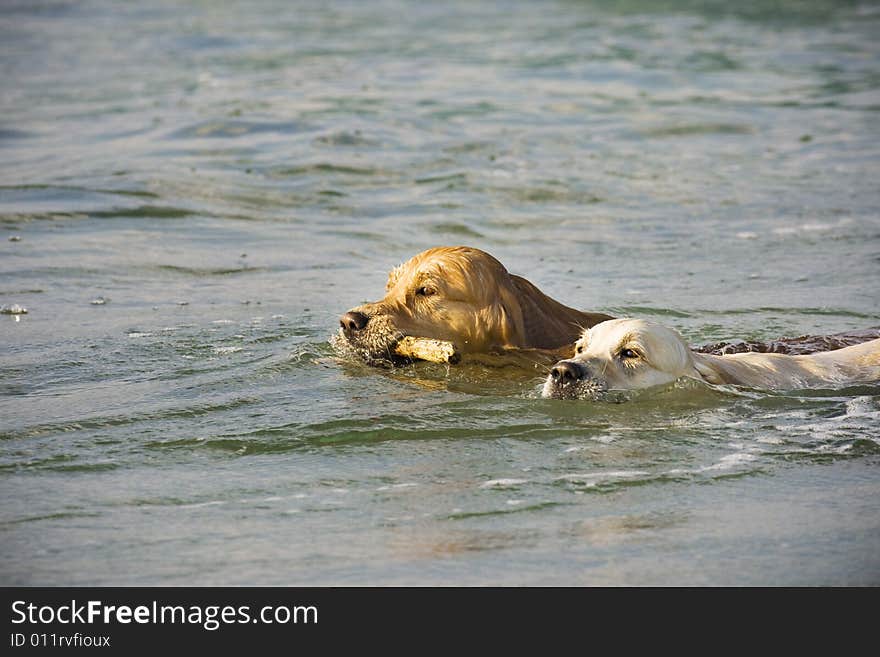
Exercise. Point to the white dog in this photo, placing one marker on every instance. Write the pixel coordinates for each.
(633, 353)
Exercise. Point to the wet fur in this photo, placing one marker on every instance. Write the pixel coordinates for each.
(476, 304)
(663, 357)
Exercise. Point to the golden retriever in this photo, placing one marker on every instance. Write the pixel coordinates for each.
(632, 353)
(465, 296)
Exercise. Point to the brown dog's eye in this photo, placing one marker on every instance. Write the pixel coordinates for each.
(426, 291)
(579, 349)
(628, 353)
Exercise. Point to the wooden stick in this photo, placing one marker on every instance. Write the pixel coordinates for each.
(436, 351)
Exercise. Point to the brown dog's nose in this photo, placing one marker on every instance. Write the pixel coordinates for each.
(566, 371)
(353, 321)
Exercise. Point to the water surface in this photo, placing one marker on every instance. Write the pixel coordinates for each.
(190, 195)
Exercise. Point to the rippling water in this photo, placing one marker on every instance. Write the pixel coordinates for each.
(190, 194)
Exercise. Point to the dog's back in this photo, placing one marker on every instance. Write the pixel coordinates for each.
(856, 364)
(860, 361)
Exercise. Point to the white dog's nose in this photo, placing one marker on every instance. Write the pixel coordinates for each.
(566, 371)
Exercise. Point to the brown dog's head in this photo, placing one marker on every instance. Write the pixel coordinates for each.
(467, 297)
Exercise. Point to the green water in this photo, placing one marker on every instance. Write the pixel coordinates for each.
(192, 193)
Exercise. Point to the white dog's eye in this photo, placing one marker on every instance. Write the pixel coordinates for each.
(628, 353)
(579, 349)
(426, 291)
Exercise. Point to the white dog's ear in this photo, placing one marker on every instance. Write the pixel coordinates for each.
(703, 367)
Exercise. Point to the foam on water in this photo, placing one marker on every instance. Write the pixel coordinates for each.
(226, 350)
(503, 483)
(597, 477)
(730, 461)
(401, 486)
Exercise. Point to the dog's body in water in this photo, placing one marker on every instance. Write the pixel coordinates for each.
(631, 354)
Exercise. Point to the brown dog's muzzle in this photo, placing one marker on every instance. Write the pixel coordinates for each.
(369, 332)
(352, 322)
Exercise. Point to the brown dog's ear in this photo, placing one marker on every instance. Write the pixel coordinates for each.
(509, 317)
(548, 324)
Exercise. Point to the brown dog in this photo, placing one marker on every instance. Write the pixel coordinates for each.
(467, 297)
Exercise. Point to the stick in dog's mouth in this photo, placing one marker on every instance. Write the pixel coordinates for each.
(435, 351)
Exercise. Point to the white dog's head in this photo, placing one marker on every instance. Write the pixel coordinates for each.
(620, 354)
